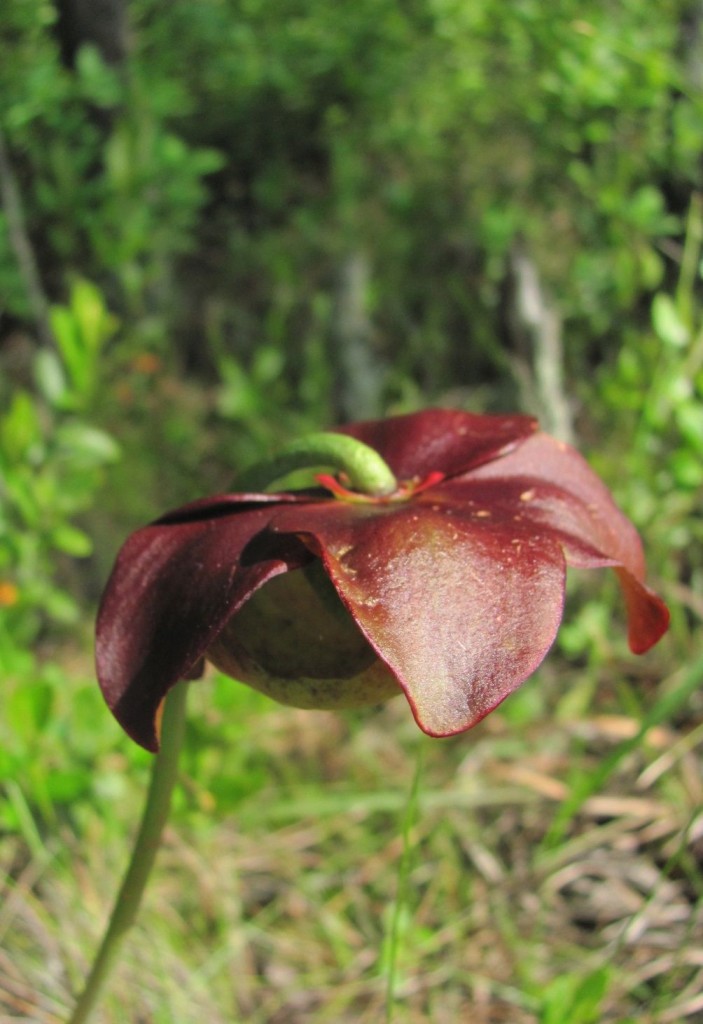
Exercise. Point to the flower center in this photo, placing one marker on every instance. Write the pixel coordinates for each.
(404, 490)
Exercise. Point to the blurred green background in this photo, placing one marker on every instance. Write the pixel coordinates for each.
(226, 222)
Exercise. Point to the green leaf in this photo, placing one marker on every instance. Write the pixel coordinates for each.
(689, 418)
(101, 84)
(61, 607)
(28, 709)
(81, 329)
(50, 378)
(66, 333)
(71, 541)
(20, 429)
(576, 999)
(667, 322)
(89, 445)
(95, 322)
(686, 469)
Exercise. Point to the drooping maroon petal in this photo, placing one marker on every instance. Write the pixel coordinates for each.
(552, 485)
(548, 461)
(647, 615)
(173, 587)
(459, 612)
(440, 440)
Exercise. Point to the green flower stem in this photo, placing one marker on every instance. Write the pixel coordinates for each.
(364, 467)
(156, 811)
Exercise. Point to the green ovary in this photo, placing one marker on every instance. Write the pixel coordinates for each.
(295, 641)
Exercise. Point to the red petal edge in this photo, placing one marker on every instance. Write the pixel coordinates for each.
(440, 440)
(647, 615)
(561, 491)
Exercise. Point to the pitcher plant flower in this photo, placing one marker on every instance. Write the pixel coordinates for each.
(430, 562)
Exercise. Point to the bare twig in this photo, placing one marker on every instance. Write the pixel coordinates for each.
(359, 374)
(537, 318)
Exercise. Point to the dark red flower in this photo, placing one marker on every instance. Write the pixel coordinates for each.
(451, 589)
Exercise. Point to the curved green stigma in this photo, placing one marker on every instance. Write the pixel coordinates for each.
(362, 467)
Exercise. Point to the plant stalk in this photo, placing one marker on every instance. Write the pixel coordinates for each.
(146, 845)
